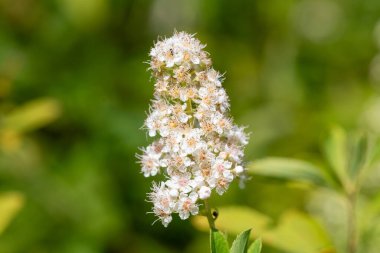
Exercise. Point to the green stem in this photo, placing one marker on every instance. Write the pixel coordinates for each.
(189, 110)
(210, 219)
(352, 236)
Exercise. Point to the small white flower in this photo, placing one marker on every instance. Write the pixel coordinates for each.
(153, 52)
(163, 206)
(195, 59)
(221, 123)
(204, 192)
(221, 165)
(192, 141)
(239, 169)
(181, 183)
(173, 141)
(214, 77)
(150, 162)
(203, 155)
(187, 205)
(181, 74)
(203, 92)
(169, 59)
(222, 185)
(183, 117)
(201, 113)
(161, 86)
(179, 162)
(173, 193)
(234, 152)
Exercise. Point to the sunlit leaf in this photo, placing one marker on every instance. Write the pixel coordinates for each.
(32, 115)
(240, 244)
(335, 148)
(234, 219)
(298, 233)
(290, 169)
(255, 246)
(218, 242)
(10, 204)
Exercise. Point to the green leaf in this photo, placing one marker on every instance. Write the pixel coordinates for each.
(255, 246)
(10, 204)
(218, 242)
(335, 148)
(359, 155)
(290, 169)
(371, 211)
(33, 115)
(240, 244)
(235, 219)
(298, 233)
(375, 153)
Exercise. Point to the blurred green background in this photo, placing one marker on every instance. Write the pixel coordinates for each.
(74, 91)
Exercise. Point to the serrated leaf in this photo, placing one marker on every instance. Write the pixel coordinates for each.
(255, 246)
(235, 219)
(298, 233)
(218, 242)
(240, 244)
(10, 204)
(335, 149)
(290, 169)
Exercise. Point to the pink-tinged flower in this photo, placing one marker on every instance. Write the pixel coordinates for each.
(150, 162)
(187, 205)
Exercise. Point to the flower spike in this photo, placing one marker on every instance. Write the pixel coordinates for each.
(197, 147)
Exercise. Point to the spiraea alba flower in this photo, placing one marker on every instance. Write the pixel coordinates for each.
(197, 148)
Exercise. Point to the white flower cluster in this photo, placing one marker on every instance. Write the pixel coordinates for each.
(197, 146)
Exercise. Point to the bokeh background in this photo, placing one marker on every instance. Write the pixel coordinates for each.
(74, 91)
